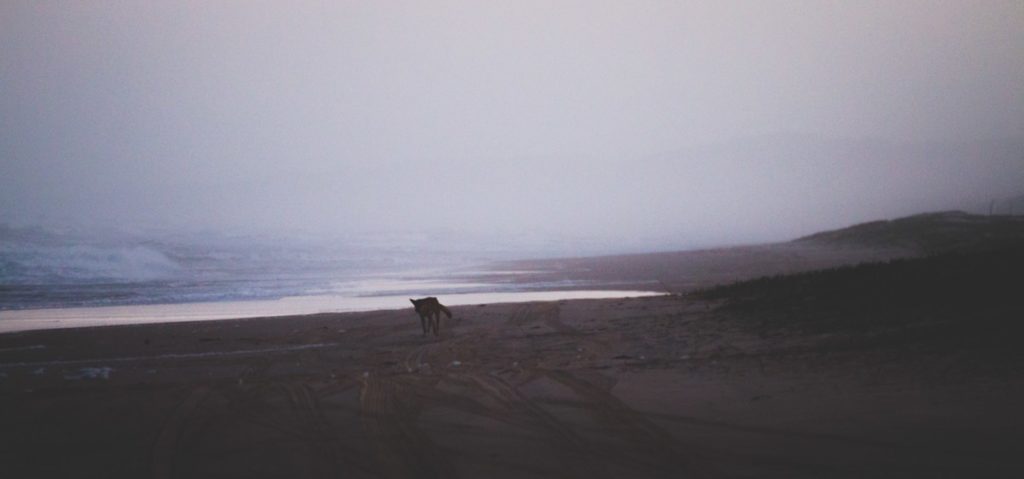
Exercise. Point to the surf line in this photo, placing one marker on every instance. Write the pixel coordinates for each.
(242, 352)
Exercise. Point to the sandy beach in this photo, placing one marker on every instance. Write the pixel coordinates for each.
(662, 386)
(670, 239)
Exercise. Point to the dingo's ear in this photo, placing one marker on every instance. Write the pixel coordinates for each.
(413, 301)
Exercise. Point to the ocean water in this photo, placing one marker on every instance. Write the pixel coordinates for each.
(62, 279)
(46, 269)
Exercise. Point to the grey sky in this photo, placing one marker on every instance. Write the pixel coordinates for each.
(686, 122)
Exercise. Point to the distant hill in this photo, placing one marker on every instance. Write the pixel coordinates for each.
(684, 271)
(927, 233)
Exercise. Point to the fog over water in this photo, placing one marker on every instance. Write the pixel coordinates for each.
(538, 127)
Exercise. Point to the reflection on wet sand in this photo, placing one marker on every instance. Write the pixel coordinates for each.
(24, 320)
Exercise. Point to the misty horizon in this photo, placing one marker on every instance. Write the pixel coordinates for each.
(634, 127)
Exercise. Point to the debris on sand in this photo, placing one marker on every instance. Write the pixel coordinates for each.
(23, 348)
(90, 373)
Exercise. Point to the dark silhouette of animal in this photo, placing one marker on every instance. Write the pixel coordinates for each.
(430, 310)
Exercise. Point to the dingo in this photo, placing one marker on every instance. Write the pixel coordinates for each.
(430, 311)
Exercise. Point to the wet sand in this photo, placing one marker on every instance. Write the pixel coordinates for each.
(686, 271)
(37, 319)
(666, 386)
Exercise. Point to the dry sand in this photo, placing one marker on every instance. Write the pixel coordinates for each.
(646, 387)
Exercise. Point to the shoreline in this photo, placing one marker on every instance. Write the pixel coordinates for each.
(12, 321)
(500, 282)
(667, 385)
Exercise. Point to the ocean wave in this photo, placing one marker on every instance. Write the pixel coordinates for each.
(22, 263)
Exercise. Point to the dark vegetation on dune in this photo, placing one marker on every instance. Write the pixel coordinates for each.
(970, 298)
(928, 233)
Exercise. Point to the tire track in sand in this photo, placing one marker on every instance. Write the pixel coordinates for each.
(656, 450)
(503, 402)
(317, 433)
(390, 423)
(170, 435)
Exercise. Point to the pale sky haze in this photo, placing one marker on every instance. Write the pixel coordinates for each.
(686, 122)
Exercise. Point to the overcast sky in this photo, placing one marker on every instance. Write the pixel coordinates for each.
(690, 122)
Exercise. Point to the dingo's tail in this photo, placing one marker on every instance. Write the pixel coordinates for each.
(445, 310)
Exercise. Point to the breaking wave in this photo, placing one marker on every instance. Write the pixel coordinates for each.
(42, 268)
(26, 263)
